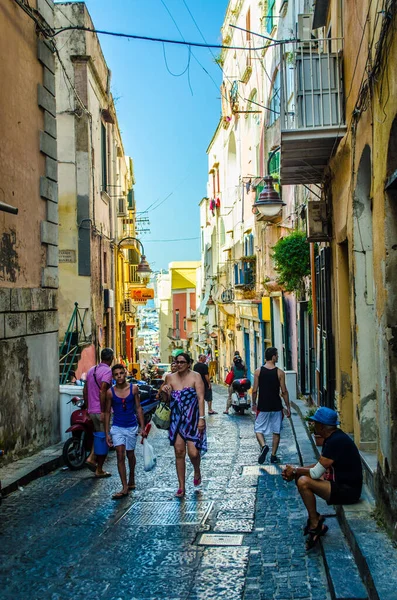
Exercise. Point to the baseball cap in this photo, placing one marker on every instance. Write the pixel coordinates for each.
(326, 416)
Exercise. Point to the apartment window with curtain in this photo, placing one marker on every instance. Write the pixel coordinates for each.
(177, 323)
(270, 15)
(104, 158)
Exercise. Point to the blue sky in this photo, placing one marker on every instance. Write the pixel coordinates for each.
(165, 128)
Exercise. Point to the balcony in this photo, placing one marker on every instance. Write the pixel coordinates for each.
(312, 108)
(174, 334)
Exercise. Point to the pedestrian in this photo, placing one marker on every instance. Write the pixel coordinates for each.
(337, 477)
(202, 368)
(269, 380)
(239, 371)
(185, 392)
(99, 380)
(123, 398)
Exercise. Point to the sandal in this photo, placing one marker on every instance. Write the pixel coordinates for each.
(131, 486)
(213, 412)
(315, 534)
(119, 495)
(102, 475)
(180, 493)
(307, 526)
(197, 482)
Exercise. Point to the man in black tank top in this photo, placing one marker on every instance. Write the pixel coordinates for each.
(269, 380)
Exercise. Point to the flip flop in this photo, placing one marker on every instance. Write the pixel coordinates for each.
(225, 412)
(102, 475)
(119, 495)
(132, 487)
(90, 466)
(180, 493)
(213, 412)
(197, 482)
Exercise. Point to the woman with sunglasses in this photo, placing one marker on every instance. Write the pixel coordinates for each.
(185, 391)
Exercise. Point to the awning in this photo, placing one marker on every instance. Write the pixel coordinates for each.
(203, 308)
(320, 13)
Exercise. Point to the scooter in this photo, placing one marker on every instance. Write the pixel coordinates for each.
(76, 448)
(240, 398)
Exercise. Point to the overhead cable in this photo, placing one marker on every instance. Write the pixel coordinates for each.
(146, 38)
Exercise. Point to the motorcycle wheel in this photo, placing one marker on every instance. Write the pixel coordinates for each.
(238, 410)
(72, 457)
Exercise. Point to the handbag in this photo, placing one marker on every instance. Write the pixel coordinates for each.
(229, 378)
(162, 416)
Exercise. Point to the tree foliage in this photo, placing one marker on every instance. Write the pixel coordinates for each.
(291, 256)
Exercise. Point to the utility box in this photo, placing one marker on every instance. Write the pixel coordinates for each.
(317, 221)
(291, 383)
(66, 393)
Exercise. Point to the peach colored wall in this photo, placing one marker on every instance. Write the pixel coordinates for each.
(21, 163)
(87, 360)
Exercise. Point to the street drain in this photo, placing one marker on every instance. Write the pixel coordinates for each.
(167, 513)
(220, 539)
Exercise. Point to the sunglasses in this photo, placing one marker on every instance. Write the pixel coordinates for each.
(180, 362)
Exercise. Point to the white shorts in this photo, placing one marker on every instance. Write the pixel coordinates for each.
(124, 436)
(268, 423)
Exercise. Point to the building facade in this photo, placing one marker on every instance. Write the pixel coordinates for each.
(29, 413)
(96, 203)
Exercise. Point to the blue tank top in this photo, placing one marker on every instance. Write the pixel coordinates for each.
(124, 413)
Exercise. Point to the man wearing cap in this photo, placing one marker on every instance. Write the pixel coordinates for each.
(337, 477)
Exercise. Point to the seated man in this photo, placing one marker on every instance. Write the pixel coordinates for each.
(337, 477)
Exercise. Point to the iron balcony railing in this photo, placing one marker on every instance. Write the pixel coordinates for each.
(174, 334)
(312, 84)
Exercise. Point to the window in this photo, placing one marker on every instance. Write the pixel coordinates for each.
(270, 15)
(105, 268)
(274, 102)
(104, 158)
(177, 323)
(249, 245)
(222, 234)
(274, 165)
(184, 324)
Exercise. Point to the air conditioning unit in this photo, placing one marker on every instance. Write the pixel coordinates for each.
(122, 208)
(304, 26)
(317, 221)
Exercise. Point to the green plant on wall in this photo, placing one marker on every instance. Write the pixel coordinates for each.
(291, 256)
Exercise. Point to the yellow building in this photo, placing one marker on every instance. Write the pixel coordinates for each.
(183, 281)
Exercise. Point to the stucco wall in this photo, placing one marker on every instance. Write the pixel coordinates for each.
(29, 416)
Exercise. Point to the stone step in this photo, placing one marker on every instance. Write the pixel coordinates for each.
(343, 576)
(373, 550)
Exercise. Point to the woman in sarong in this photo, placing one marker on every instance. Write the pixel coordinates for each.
(185, 391)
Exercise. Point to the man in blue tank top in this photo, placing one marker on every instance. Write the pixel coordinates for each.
(124, 399)
(270, 381)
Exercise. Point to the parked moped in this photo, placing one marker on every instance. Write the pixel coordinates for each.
(240, 399)
(76, 448)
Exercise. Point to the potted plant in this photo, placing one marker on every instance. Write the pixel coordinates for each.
(318, 439)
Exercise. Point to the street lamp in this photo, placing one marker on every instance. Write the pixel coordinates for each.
(143, 270)
(269, 203)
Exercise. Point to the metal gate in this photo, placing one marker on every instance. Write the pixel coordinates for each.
(325, 359)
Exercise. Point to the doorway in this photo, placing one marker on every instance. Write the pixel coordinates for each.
(364, 303)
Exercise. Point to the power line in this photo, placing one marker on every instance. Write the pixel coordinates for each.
(175, 240)
(154, 39)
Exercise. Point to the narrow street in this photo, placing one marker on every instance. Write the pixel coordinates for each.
(63, 537)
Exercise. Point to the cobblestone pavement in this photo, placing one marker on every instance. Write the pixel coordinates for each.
(63, 537)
